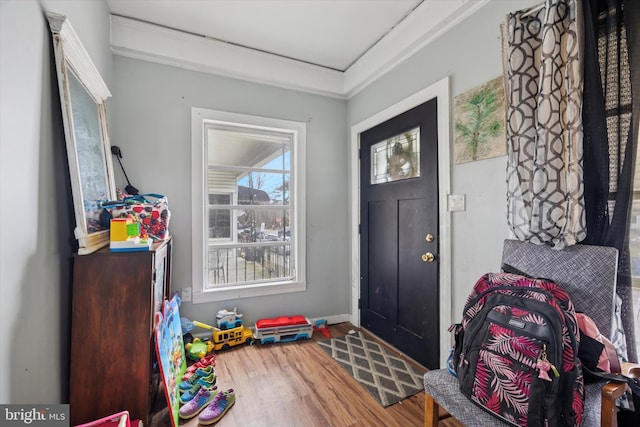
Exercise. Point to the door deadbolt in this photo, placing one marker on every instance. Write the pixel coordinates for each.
(428, 257)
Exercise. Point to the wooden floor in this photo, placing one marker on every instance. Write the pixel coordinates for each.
(298, 385)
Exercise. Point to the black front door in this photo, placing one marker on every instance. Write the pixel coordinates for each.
(399, 297)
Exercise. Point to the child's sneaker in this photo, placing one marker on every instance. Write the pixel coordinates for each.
(188, 383)
(202, 363)
(190, 394)
(198, 403)
(218, 407)
(187, 395)
(208, 381)
(195, 368)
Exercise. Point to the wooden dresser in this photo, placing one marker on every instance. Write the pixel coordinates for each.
(113, 364)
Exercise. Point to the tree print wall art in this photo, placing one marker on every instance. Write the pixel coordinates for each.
(479, 123)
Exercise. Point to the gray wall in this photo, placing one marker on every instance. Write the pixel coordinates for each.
(152, 126)
(470, 55)
(36, 213)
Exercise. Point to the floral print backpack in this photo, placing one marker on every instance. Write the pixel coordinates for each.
(516, 351)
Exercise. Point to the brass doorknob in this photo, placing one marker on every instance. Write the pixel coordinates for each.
(428, 257)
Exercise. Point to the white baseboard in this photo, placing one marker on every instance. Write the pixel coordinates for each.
(333, 320)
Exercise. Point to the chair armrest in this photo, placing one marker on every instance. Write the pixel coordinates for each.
(610, 393)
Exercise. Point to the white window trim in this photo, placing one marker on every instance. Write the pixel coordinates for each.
(201, 118)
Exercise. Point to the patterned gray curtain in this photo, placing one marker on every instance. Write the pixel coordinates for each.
(542, 61)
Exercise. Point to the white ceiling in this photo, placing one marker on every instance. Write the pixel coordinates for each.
(339, 45)
(329, 33)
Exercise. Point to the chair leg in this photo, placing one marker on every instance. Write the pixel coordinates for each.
(431, 411)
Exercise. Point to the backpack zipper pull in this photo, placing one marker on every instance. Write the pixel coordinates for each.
(544, 366)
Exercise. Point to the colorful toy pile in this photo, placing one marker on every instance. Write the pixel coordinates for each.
(126, 236)
(230, 332)
(150, 210)
(198, 349)
(200, 396)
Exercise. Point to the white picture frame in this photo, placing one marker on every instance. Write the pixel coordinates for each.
(82, 96)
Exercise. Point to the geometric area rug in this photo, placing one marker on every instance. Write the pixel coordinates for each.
(386, 376)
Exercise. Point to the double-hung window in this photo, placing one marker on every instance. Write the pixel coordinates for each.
(248, 205)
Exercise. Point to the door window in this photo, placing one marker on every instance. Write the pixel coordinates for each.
(396, 158)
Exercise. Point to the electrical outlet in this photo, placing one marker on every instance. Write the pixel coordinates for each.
(185, 294)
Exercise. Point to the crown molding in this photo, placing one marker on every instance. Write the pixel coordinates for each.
(432, 18)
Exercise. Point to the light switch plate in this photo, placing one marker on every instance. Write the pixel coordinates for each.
(456, 202)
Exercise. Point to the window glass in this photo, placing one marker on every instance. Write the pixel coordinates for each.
(264, 188)
(219, 219)
(261, 182)
(396, 158)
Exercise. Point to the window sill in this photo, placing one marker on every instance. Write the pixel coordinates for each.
(225, 293)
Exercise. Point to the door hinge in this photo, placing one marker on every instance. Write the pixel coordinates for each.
(359, 228)
(359, 303)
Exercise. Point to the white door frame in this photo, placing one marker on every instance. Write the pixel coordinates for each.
(439, 90)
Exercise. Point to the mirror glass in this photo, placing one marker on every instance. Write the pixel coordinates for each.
(90, 153)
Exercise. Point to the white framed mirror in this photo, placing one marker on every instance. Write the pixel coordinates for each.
(82, 95)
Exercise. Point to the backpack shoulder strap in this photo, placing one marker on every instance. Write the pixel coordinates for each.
(633, 383)
(612, 355)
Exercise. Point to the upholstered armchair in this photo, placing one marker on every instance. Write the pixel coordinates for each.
(589, 274)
